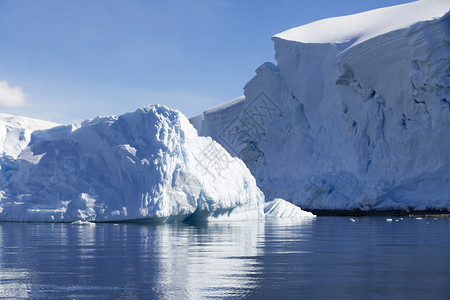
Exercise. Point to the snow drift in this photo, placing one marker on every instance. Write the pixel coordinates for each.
(356, 114)
(145, 165)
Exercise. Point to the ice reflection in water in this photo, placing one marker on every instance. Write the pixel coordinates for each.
(10, 287)
(320, 259)
(218, 260)
(130, 260)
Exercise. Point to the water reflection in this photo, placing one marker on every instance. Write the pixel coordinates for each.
(219, 260)
(10, 287)
(130, 260)
(322, 258)
(370, 258)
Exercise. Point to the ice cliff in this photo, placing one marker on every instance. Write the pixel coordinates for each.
(355, 115)
(146, 165)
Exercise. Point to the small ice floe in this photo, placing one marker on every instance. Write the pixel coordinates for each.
(282, 209)
(82, 222)
(388, 220)
(419, 218)
(353, 220)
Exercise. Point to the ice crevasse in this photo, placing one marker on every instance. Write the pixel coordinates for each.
(149, 165)
(355, 115)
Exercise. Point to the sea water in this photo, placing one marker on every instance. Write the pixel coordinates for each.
(329, 257)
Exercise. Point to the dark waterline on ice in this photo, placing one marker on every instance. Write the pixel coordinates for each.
(381, 213)
(330, 257)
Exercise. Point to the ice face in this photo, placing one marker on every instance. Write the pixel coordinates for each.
(360, 122)
(149, 165)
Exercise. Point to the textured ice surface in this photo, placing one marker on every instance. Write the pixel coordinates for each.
(145, 165)
(360, 27)
(356, 114)
(279, 208)
(15, 133)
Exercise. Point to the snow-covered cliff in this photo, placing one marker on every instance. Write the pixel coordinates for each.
(356, 114)
(145, 165)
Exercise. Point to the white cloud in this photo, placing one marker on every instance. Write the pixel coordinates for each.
(11, 96)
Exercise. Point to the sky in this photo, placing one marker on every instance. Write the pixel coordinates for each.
(66, 61)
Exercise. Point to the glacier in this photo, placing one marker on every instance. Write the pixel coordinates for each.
(149, 165)
(354, 116)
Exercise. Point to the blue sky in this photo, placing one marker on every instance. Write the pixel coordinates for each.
(70, 60)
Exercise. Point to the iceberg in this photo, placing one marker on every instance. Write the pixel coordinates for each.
(282, 209)
(354, 116)
(82, 223)
(149, 165)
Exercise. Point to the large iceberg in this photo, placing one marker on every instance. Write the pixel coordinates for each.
(146, 165)
(355, 116)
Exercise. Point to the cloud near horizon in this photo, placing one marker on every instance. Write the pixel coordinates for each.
(11, 96)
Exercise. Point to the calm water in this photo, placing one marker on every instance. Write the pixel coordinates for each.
(330, 257)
